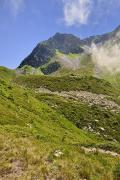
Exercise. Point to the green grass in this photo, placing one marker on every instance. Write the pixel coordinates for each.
(113, 78)
(28, 158)
(50, 68)
(27, 70)
(19, 107)
(68, 83)
(6, 73)
(83, 115)
(70, 56)
(86, 66)
(31, 130)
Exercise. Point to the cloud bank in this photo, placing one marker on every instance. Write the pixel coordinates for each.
(107, 55)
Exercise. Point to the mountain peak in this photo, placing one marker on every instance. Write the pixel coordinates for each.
(65, 35)
(44, 51)
(65, 43)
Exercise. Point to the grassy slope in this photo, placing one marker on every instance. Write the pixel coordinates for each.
(85, 116)
(68, 83)
(6, 74)
(86, 66)
(113, 78)
(27, 70)
(31, 131)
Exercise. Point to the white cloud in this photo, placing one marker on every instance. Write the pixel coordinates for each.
(14, 5)
(77, 11)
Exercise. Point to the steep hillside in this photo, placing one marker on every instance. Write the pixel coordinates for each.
(82, 100)
(47, 136)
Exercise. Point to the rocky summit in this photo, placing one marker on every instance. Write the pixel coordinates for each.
(44, 51)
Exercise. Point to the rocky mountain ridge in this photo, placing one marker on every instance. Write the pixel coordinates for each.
(66, 44)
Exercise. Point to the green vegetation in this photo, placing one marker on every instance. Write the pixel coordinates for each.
(117, 171)
(50, 68)
(41, 136)
(113, 78)
(71, 56)
(27, 70)
(68, 83)
(54, 65)
(93, 118)
(85, 65)
(6, 74)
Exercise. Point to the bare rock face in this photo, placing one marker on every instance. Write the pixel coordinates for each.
(44, 51)
(39, 56)
(65, 43)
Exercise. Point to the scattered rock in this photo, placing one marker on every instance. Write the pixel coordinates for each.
(98, 133)
(102, 151)
(58, 153)
(86, 97)
(29, 125)
(102, 128)
(90, 129)
(96, 120)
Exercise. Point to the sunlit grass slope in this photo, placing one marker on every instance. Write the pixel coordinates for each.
(32, 132)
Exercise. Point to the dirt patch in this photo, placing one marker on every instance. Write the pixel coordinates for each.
(16, 169)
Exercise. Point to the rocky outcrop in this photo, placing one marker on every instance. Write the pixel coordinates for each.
(86, 97)
(101, 151)
(39, 56)
(94, 99)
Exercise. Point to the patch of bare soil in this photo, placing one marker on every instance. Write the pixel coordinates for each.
(15, 170)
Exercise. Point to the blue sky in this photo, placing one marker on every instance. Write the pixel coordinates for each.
(24, 23)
